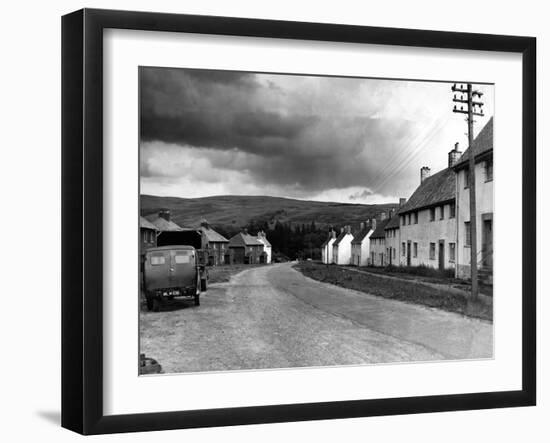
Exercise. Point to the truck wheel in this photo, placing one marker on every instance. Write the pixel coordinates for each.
(204, 285)
(156, 304)
(197, 300)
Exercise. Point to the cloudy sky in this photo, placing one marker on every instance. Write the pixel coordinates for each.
(351, 140)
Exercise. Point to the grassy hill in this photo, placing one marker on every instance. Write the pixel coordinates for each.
(235, 211)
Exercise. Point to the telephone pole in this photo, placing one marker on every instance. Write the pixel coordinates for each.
(473, 107)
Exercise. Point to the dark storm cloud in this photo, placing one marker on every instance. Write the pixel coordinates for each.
(290, 140)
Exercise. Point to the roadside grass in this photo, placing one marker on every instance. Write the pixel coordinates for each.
(413, 292)
(430, 275)
(222, 274)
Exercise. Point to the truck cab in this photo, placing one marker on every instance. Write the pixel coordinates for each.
(173, 271)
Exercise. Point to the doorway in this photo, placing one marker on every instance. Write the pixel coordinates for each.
(487, 240)
(441, 255)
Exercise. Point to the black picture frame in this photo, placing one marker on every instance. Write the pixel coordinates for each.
(82, 215)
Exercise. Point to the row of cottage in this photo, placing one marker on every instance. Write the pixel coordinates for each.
(160, 230)
(432, 228)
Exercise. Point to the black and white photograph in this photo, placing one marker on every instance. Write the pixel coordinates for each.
(294, 221)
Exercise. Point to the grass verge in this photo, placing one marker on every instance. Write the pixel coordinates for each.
(413, 292)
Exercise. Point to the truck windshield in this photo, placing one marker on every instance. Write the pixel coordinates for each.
(183, 257)
(157, 259)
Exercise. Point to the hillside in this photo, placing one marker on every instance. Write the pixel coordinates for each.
(235, 211)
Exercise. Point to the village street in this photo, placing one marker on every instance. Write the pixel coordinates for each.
(274, 317)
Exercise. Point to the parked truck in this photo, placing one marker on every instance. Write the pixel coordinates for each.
(173, 271)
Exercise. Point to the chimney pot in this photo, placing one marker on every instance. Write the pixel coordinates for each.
(454, 155)
(165, 214)
(402, 201)
(424, 173)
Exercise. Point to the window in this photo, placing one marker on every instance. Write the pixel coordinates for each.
(403, 249)
(467, 234)
(415, 249)
(409, 219)
(183, 257)
(432, 251)
(442, 213)
(394, 253)
(452, 210)
(452, 252)
(466, 178)
(489, 170)
(402, 220)
(432, 214)
(416, 218)
(144, 236)
(158, 259)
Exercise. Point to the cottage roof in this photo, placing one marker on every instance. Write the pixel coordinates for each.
(482, 144)
(146, 224)
(162, 224)
(340, 238)
(393, 223)
(327, 241)
(211, 235)
(242, 239)
(434, 190)
(379, 231)
(360, 236)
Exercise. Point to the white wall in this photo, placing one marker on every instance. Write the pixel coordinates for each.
(30, 181)
(342, 251)
(426, 232)
(484, 205)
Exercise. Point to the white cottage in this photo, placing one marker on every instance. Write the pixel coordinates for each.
(341, 248)
(267, 246)
(483, 151)
(326, 248)
(428, 220)
(360, 245)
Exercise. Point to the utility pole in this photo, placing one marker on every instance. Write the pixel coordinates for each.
(470, 110)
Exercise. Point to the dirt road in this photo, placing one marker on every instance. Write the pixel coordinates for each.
(274, 317)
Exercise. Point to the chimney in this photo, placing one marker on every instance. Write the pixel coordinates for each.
(165, 214)
(383, 215)
(454, 155)
(373, 224)
(362, 224)
(392, 212)
(333, 233)
(341, 230)
(402, 201)
(348, 229)
(424, 173)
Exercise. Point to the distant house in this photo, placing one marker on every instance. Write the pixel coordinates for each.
(267, 246)
(378, 241)
(147, 234)
(483, 154)
(247, 249)
(360, 245)
(326, 248)
(215, 244)
(428, 220)
(172, 234)
(341, 248)
(391, 242)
